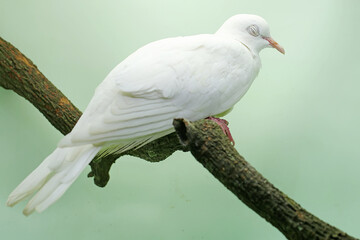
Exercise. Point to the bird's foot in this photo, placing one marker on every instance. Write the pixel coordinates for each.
(223, 124)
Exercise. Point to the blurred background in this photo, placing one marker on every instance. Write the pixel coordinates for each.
(298, 125)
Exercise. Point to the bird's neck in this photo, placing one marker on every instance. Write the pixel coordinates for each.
(253, 52)
(239, 38)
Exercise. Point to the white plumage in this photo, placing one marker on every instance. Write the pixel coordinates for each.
(189, 77)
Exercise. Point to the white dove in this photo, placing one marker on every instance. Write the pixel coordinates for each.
(190, 77)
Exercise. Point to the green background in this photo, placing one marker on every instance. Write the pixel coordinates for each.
(298, 125)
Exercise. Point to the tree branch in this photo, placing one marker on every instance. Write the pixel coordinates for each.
(215, 152)
(203, 138)
(18, 73)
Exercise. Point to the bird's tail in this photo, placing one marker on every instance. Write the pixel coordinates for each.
(52, 177)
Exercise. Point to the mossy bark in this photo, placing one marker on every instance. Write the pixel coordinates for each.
(203, 138)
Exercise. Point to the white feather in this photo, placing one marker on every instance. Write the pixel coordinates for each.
(53, 176)
(189, 77)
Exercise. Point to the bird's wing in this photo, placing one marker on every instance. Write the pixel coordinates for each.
(137, 99)
(177, 77)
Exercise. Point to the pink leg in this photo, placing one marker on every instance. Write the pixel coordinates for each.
(223, 124)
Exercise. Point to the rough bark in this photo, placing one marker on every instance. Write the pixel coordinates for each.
(155, 151)
(215, 152)
(203, 138)
(18, 73)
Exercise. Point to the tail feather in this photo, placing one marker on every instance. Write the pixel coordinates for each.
(52, 177)
(44, 193)
(56, 194)
(31, 184)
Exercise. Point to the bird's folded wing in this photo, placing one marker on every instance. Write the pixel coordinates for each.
(133, 101)
(123, 119)
(140, 97)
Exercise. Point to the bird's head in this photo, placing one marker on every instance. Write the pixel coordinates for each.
(251, 30)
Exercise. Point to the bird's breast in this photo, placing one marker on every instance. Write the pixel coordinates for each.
(222, 79)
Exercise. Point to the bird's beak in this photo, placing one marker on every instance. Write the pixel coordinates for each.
(274, 44)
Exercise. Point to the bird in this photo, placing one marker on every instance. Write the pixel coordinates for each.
(192, 77)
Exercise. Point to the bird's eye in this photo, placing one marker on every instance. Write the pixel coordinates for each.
(253, 30)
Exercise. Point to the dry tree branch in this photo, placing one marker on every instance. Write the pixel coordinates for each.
(203, 138)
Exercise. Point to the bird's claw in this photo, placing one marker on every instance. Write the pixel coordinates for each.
(224, 126)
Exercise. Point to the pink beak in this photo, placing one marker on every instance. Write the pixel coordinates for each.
(274, 44)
